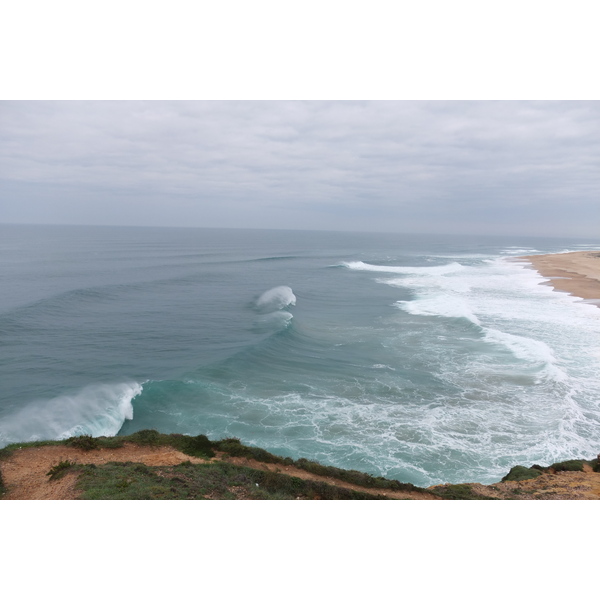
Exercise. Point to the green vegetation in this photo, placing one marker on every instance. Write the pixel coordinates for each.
(214, 481)
(83, 442)
(234, 447)
(459, 491)
(520, 473)
(355, 477)
(199, 446)
(568, 465)
(60, 469)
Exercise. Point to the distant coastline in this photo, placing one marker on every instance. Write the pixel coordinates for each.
(577, 273)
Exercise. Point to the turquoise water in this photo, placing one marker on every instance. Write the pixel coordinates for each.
(426, 359)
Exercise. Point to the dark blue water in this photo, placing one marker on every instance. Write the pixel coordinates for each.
(426, 359)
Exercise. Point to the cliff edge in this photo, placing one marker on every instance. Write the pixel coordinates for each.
(149, 465)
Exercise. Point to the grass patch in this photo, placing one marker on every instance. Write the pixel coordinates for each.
(234, 447)
(60, 469)
(520, 473)
(568, 465)
(355, 477)
(459, 491)
(199, 445)
(83, 442)
(87, 442)
(217, 481)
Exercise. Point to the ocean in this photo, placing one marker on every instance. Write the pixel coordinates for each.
(427, 359)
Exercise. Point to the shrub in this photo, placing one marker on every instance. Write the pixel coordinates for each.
(568, 465)
(459, 491)
(146, 437)
(355, 477)
(83, 442)
(6, 452)
(234, 447)
(57, 471)
(539, 468)
(520, 473)
(199, 446)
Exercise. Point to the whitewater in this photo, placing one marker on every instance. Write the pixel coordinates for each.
(427, 359)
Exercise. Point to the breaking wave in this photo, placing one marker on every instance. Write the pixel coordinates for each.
(275, 299)
(438, 270)
(97, 410)
(270, 305)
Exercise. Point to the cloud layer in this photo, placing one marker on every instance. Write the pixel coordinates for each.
(464, 167)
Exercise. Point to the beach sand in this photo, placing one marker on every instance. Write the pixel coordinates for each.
(577, 273)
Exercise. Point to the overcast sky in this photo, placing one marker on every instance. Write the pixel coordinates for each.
(501, 167)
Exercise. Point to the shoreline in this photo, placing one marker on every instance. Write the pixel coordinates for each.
(576, 273)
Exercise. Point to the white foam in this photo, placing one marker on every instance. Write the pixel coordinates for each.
(275, 299)
(97, 410)
(518, 251)
(532, 351)
(438, 270)
(439, 306)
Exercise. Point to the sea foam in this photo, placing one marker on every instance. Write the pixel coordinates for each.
(437, 270)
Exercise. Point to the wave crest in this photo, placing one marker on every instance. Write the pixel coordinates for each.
(97, 410)
(275, 299)
(438, 270)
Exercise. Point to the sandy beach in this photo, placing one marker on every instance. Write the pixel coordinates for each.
(577, 273)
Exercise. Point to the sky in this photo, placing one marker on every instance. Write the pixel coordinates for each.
(492, 167)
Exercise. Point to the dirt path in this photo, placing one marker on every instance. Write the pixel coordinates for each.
(25, 478)
(295, 472)
(25, 472)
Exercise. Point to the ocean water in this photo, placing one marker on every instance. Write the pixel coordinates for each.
(428, 359)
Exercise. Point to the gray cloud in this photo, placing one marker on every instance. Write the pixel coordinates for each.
(464, 167)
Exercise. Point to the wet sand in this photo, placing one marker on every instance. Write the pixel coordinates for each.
(577, 273)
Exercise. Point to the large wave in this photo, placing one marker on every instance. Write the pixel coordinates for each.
(275, 299)
(270, 305)
(97, 410)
